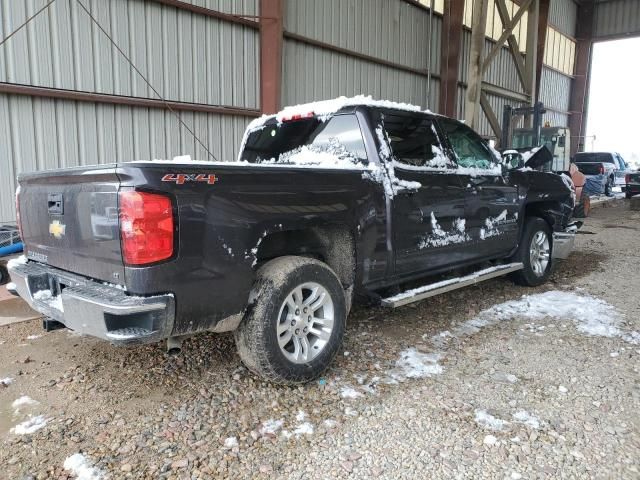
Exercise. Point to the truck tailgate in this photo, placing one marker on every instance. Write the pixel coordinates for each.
(590, 168)
(70, 220)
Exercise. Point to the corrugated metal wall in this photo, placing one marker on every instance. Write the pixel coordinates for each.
(617, 18)
(312, 73)
(41, 134)
(563, 15)
(390, 30)
(555, 93)
(186, 56)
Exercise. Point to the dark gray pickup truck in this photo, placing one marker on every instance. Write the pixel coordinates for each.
(328, 203)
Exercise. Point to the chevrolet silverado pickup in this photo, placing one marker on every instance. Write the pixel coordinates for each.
(328, 203)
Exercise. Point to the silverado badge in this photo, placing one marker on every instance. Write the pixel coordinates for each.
(57, 229)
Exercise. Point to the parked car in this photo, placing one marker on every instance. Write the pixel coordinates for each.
(328, 202)
(607, 168)
(632, 181)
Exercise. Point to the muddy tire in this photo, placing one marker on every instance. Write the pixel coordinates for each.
(534, 253)
(295, 323)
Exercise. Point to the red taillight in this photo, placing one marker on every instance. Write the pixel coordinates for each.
(18, 221)
(601, 169)
(146, 227)
(627, 178)
(297, 117)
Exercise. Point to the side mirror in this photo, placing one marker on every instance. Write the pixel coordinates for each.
(512, 160)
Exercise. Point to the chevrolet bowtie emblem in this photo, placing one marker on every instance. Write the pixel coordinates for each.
(57, 229)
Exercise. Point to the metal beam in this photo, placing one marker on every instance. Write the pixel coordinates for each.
(450, 51)
(509, 25)
(543, 23)
(532, 50)
(227, 17)
(271, 43)
(505, 93)
(491, 116)
(579, 92)
(44, 92)
(478, 28)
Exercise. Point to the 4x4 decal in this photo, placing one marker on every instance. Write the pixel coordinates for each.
(182, 178)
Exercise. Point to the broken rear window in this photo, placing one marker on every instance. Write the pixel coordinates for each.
(308, 140)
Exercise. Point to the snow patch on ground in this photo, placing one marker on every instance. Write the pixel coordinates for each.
(33, 337)
(30, 426)
(81, 468)
(524, 417)
(271, 426)
(303, 429)
(6, 381)
(230, 442)
(414, 364)
(590, 315)
(349, 392)
(24, 401)
(486, 420)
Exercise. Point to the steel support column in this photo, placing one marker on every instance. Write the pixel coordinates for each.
(543, 23)
(474, 83)
(531, 62)
(580, 90)
(450, 50)
(271, 42)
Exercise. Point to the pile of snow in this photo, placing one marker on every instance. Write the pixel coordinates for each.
(414, 364)
(591, 315)
(6, 381)
(16, 262)
(81, 468)
(30, 426)
(46, 296)
(486, 420)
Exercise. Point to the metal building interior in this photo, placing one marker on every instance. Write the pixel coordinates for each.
(99, 81)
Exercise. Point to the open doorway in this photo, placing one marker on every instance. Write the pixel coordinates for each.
(614, 100)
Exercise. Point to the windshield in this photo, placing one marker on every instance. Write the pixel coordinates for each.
(307, 141)
(593, 157)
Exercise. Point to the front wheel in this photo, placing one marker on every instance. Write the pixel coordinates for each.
(534, 253)
(295, 325)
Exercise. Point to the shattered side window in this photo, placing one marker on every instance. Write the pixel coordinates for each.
(414, 140)
(467, 145)
(308, 140)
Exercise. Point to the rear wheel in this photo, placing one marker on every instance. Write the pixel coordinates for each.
(534, 253)
(295, 326)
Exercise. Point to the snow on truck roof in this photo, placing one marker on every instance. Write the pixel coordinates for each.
(325, 108)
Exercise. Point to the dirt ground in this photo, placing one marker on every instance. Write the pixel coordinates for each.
(524, 398)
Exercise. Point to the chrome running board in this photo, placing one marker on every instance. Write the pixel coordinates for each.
(433, 289)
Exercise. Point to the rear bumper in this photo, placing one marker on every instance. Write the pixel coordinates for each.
(92, 308)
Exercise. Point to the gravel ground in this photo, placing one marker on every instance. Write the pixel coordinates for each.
(526, 398)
